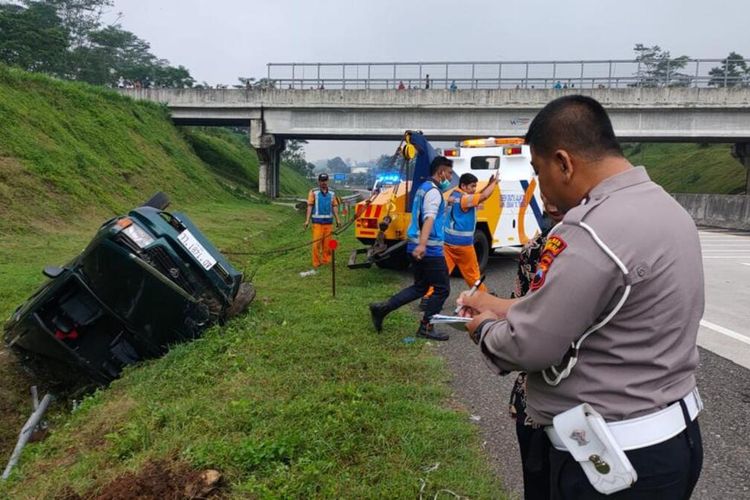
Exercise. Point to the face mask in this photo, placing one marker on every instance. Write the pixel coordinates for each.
(444, 185)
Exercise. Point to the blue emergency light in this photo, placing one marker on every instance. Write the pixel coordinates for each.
(389, 178)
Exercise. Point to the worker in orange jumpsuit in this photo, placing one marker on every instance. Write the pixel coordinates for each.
(322, 207)
(460, 224)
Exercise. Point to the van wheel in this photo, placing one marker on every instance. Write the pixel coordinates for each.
(159, 201)
(482, 248)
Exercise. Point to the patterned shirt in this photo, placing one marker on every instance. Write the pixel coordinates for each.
(527, 264)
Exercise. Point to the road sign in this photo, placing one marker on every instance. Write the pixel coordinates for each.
(339, 177)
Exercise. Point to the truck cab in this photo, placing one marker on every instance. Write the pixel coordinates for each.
(508, 218)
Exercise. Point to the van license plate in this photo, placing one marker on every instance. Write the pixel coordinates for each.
(196, 249)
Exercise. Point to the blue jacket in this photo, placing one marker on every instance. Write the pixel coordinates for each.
(323, 208)
(437, 235)
(460, 224)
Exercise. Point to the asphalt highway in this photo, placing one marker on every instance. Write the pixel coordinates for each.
(723, 375)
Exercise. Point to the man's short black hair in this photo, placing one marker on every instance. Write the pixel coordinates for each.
(576, 123)
(439, 161)
(467, 178)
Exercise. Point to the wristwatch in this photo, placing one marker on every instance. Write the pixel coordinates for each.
(476, 336)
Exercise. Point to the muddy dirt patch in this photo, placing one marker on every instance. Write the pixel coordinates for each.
(159, 480)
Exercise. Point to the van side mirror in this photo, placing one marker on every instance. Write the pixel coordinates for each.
(52, 272)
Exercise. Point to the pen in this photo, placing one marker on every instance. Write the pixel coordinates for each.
(472, 290)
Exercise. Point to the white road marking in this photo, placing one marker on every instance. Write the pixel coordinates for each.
(725, 331)
(746, 263)
(726, 256)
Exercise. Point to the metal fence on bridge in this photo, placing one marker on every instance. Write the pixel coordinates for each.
(454, 75)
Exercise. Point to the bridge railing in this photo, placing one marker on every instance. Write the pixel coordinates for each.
(621, 73)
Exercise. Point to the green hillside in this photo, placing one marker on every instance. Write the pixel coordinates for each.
(230, 154)
(74, 149)
(298, 398)
(690, 168)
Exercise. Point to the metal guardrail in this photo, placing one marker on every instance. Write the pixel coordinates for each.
(455, 75)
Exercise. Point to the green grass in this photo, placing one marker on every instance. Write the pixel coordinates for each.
(70, 148)
(690, 168)
(230, 154)
(73, 149)
(297, 398)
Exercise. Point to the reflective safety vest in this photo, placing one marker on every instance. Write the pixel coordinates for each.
(323, 208)
(437, 235)
(460, 224)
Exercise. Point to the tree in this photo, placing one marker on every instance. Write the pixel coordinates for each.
(66, 38)
(656, 68)
(337, 165)
(293, 156)
(733, 72)
(114, 53)
(385, 163)
(79, 17)
(164, 75)
(252, 83)
(309, 169)
(33, 38)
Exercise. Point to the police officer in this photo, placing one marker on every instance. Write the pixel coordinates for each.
(321, 207)
(611, 318)
(425, 247)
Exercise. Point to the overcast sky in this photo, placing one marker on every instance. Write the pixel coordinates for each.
(220, 40)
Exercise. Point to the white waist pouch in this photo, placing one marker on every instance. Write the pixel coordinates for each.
(587, 437)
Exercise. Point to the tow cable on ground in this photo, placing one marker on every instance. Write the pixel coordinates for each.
(278, 252)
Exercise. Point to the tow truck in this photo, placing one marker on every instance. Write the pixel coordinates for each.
(508, 218)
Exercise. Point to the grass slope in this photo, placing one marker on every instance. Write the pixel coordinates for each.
(73, 149)
(690, 168)
(68, 148)
(231, 155)
(297, 398)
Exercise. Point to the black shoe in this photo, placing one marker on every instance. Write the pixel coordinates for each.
(428, 331)
(423, 303)
(378, 311)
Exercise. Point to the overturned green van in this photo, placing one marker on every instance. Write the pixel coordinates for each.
(146, 281)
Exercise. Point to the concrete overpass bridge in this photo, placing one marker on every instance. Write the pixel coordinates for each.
(677, 114)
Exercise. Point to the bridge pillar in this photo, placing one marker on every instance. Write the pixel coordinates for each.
(741, 151)
(269, 149)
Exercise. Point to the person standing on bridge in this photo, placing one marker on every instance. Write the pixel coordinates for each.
(425, 247)
(607, 332)
(322, 207)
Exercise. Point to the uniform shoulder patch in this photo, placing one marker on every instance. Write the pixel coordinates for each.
(552, 248)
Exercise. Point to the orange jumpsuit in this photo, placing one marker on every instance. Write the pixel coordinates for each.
(321, 233)
(464, 256)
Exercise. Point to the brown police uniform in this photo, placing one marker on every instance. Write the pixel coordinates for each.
(645, 357)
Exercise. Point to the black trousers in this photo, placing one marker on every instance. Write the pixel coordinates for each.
(534, 446)
(667, 470)
(428, 272)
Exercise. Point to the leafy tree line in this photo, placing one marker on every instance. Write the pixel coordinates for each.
(68, 39)
(657, 68)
